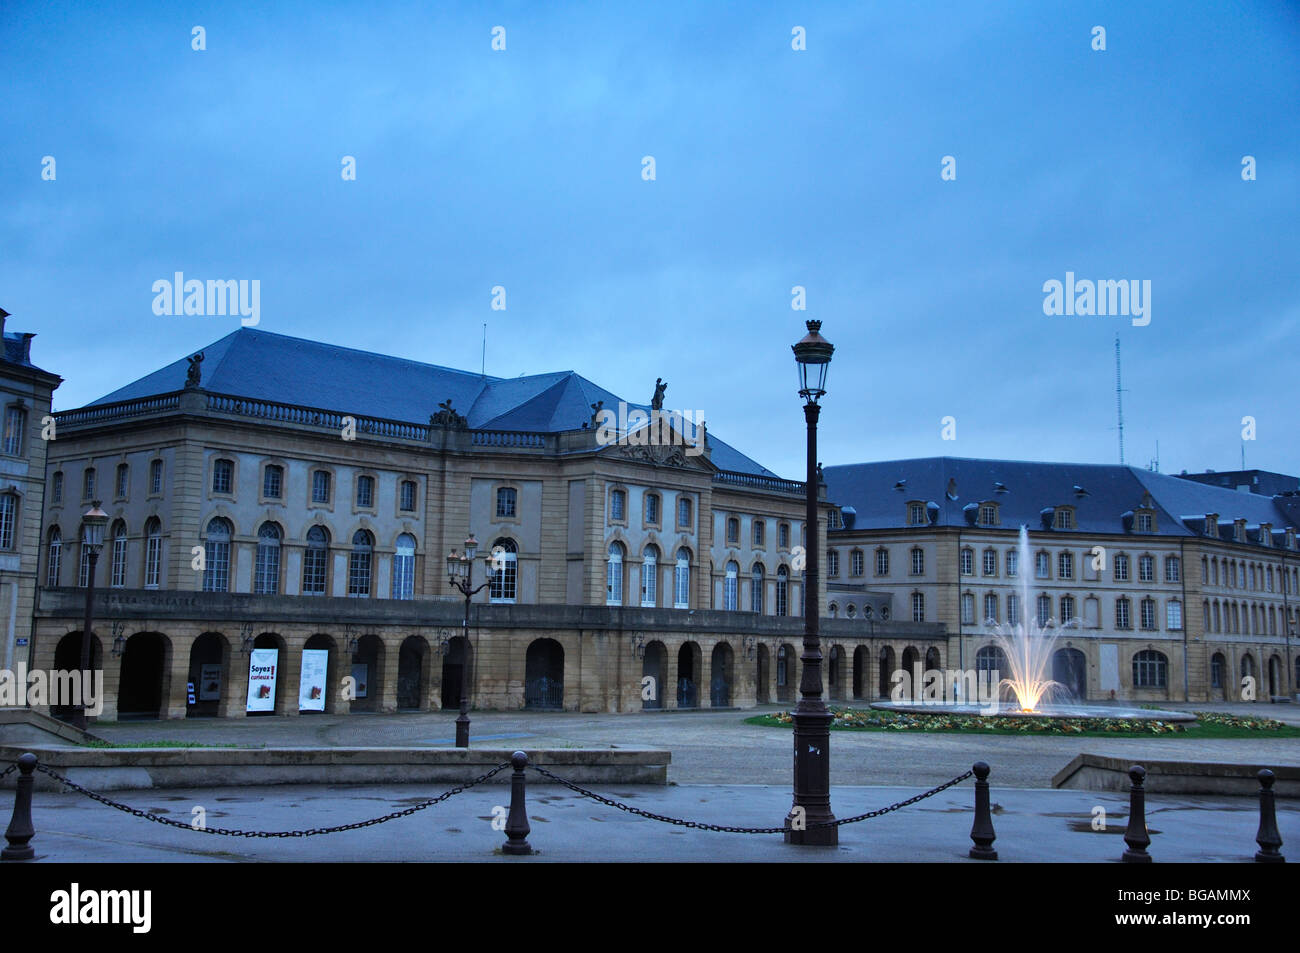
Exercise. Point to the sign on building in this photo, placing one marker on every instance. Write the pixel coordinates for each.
(262, 666)
(311, 689)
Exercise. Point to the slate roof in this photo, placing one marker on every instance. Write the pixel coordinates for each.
(263, 365)
(17, 350)
(1109, 492)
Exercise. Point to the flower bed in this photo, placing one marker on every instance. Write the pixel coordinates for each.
(867, 719)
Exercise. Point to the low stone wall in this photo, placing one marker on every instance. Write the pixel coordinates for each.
(1093, 772)
(119, 769)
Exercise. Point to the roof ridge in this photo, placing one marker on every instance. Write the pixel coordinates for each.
(357, 350)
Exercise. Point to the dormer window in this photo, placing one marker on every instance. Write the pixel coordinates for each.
(1146, 522)
(1212, 525)
(915, 514)
(1265, 534)
(1064, 517)
(988, 514)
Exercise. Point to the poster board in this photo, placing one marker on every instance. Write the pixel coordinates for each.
(311, 688)
(210, 682)
(361, 674)
(262, 668)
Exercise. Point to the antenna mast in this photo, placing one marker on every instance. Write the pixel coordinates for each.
(482, 370)
(1119, 402)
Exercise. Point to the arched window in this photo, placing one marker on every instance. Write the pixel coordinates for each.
(650, 577)
(756, 591)
(729, 586)
(266, 575)
(404, 567)
(782, 590)
(117, 573)
(1217, 667)
(8, 519)
(360, 561)
(53, 557)
(834, 609)
(152, 553)
(614, 575)
(505, 576)
(216, 577)
(1150, 669)
(991, 665)
(682, 579)
(315, 562)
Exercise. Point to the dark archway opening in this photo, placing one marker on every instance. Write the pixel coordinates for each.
(140, 693)
(209, 674)
(544, 675)
(654, 667)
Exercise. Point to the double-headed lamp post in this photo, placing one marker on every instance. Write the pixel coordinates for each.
(812, 720)
(460, 574)
(92, 539)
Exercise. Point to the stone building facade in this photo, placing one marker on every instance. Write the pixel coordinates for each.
(1177, 590)
(289, 495)
(25, 391)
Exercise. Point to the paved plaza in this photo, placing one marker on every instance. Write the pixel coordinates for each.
(723, 772)
(717, 747)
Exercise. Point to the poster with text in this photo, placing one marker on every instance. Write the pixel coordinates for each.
(361, 672)
(311, 689)
(262, 667)
(210, 682)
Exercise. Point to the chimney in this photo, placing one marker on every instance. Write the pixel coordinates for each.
(3, 314)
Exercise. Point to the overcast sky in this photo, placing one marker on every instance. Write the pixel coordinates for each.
(774, 168)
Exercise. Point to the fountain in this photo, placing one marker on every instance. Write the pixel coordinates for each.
(1028, 645)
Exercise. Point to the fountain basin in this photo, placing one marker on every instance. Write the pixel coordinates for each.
(1008, 710)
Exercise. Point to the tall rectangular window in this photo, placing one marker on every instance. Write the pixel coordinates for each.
(15, 422)
(506, 499)
(123, 476)
(155, 476)
(918, 607)
(320, 486)
(56, 488)
(273, 482)
(88, 484)
(408, 495)
(365, 492)
(8, 515)
(855, 559)
(222, 476)
(152, 561)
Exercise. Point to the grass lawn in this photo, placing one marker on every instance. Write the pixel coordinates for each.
(163, 744)
(1207, 725)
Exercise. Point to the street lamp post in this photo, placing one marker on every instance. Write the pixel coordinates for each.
(812, 720)
(92, 539)
(460, 574)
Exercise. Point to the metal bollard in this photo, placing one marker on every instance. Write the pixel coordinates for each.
(20, 830)
(981, 832)
(517, 823)
(1136, 835)
(1268, 838)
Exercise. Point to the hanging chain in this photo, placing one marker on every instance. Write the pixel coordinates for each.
(136, 812)
(698, 825)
